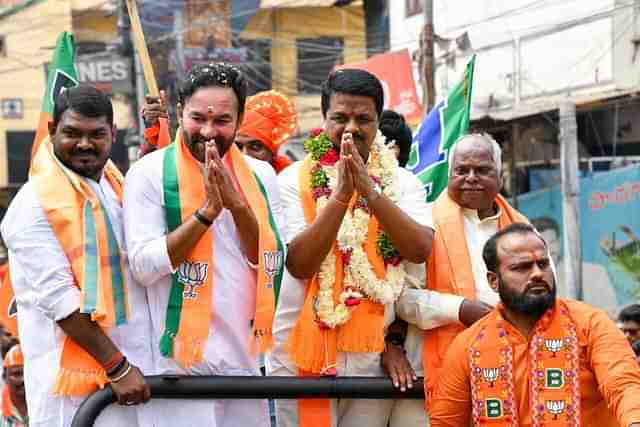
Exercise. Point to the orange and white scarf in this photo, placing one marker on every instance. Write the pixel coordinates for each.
(84, 230)
(190, 300)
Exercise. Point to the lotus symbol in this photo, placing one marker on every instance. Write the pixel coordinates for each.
(555, 407)
(192, 275)
(272, 262)
(491, 375)
(553, 345)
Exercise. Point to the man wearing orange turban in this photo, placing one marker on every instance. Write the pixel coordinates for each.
(270, 119)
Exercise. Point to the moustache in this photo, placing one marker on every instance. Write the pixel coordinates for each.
(538, 284)
(84, 151)
(199, 139)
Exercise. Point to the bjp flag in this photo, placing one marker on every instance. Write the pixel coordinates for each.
(8, 307)
(62, 75)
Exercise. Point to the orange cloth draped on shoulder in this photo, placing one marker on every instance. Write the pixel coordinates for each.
(271, 118)
(84, 230)
(314, 349)
(607, 374)
(449, 271)
(8, 307)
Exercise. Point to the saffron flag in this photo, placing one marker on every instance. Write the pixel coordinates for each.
(62, 75)
(439, 131)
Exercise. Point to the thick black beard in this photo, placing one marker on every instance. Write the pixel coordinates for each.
(221, 143)
(531, 305)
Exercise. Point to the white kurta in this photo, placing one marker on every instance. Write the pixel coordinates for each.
(45, 293)
(227, 350)
(347, 412)
(426, 309)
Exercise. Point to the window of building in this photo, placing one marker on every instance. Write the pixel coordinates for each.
(316, 59)
(413, 7)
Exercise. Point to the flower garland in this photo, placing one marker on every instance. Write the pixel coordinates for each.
(359, 281)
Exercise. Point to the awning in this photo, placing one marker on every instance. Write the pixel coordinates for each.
(268, 4)
(583, 101)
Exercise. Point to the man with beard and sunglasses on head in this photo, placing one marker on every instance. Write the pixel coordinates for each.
(201, 228)
(536, 359)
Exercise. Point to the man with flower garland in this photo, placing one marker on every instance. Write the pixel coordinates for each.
(536, 360)
(354, 219)
(201, 227)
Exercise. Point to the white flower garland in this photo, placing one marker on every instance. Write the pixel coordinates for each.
(360, 281)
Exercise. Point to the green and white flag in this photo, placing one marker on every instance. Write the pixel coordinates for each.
(445, 124)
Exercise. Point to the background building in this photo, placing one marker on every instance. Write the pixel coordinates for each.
(531, 54)
(28, 33)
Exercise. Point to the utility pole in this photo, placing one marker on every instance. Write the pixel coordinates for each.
(569, 166)
(515, 137)
(428, 61)
(178, 30)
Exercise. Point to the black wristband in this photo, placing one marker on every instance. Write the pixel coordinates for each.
(204, 220)
(118, 367)
(395, 338)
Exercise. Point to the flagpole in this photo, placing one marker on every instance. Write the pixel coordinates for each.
(141, 47)
(428, 67)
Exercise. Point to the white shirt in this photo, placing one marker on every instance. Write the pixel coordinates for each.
(427, 309)
(227, 349)
(411, 200)
(45, 293)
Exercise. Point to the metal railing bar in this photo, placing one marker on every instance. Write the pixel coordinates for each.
(226, 387)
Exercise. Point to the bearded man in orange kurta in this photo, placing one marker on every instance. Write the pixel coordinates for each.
(536, 360)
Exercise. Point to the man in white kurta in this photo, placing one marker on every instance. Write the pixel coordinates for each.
(45, 293)
(227, 350)
(347, 412)
(425, 309)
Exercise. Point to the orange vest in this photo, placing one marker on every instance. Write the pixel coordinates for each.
(449, 271)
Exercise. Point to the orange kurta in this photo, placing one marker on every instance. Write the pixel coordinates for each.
(609, 374)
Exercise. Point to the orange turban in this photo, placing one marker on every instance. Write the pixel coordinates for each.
(14, 357)
(270, 117)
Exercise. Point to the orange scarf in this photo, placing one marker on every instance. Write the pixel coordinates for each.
(190, 301)
(449, 271)
(553, 369)
(84, 231)
(314, 349)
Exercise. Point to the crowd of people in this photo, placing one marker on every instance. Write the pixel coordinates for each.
(216, 248)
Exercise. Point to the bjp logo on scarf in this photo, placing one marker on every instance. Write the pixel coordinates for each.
(491, 375)
(555, 407)
(272, 264)
(192, 275)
